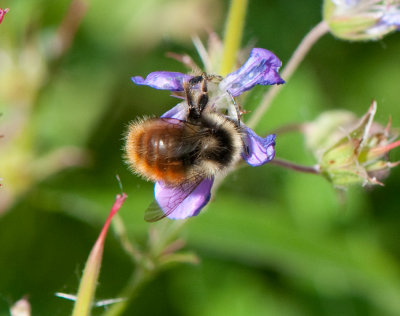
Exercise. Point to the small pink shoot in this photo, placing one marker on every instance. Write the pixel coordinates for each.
(3, 13)
(379, 151)
(87, 287)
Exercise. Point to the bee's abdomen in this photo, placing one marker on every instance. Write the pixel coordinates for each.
(154, 150)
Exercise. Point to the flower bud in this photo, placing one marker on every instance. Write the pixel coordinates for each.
(351, 155)
(362, 19)
(3, 13)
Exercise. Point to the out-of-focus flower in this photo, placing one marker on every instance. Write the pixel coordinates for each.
(21, 307)
(362, 19)
(24, 70)
(261, 68)
(351, 152)
(3, 13)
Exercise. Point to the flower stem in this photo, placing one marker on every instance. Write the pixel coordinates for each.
(137, 280)
(69, 26)
(130, 247)
(290, 165)
(148, 264)
(301, 51)
(295, 127)
(233, 34)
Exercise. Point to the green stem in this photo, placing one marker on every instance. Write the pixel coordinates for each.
(290, 165)
(130, 247)
(233, 35)
(137, 280)
(147, 267)
(301, 51)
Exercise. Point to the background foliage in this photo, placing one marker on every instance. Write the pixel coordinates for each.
(271, 242)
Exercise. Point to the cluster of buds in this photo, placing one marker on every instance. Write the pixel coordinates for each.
(356, 153)
(362, 19)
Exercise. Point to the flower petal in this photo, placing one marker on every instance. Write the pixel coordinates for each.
(346, 3)
(179, 112)
(186, 200)
(261, 68)
(163, 80)
(392, 18)
(260, 150)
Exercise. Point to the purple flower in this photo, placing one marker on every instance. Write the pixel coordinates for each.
(346, 3)
(177, 203)
(260, 150)
(261, 68)
(163, 80)
(392, 18)
(187, 199)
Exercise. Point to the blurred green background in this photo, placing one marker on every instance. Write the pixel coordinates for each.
(272, 241)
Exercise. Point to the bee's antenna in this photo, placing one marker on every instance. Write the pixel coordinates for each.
(236, 106)
(119, 183)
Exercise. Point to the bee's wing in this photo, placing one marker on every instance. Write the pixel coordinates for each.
(179, 202)
(154, 213)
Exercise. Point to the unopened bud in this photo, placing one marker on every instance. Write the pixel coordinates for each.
(352, 153)
(362, 19)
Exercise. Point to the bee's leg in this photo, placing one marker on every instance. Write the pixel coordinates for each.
(246, 148)
(236, 107)
(213, 78)
(195, 80)
(202, 100)
(193, 110)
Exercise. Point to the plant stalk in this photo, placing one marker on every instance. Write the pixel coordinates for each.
(301, 51)
(233, 35)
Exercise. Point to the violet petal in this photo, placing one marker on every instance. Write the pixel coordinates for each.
(163, 80)
(183, 201)
(261, 68)
(346, 3)
(179, 112)
(392, 18)
(260, 150)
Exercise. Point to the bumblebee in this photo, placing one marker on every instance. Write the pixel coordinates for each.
(181, 153)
